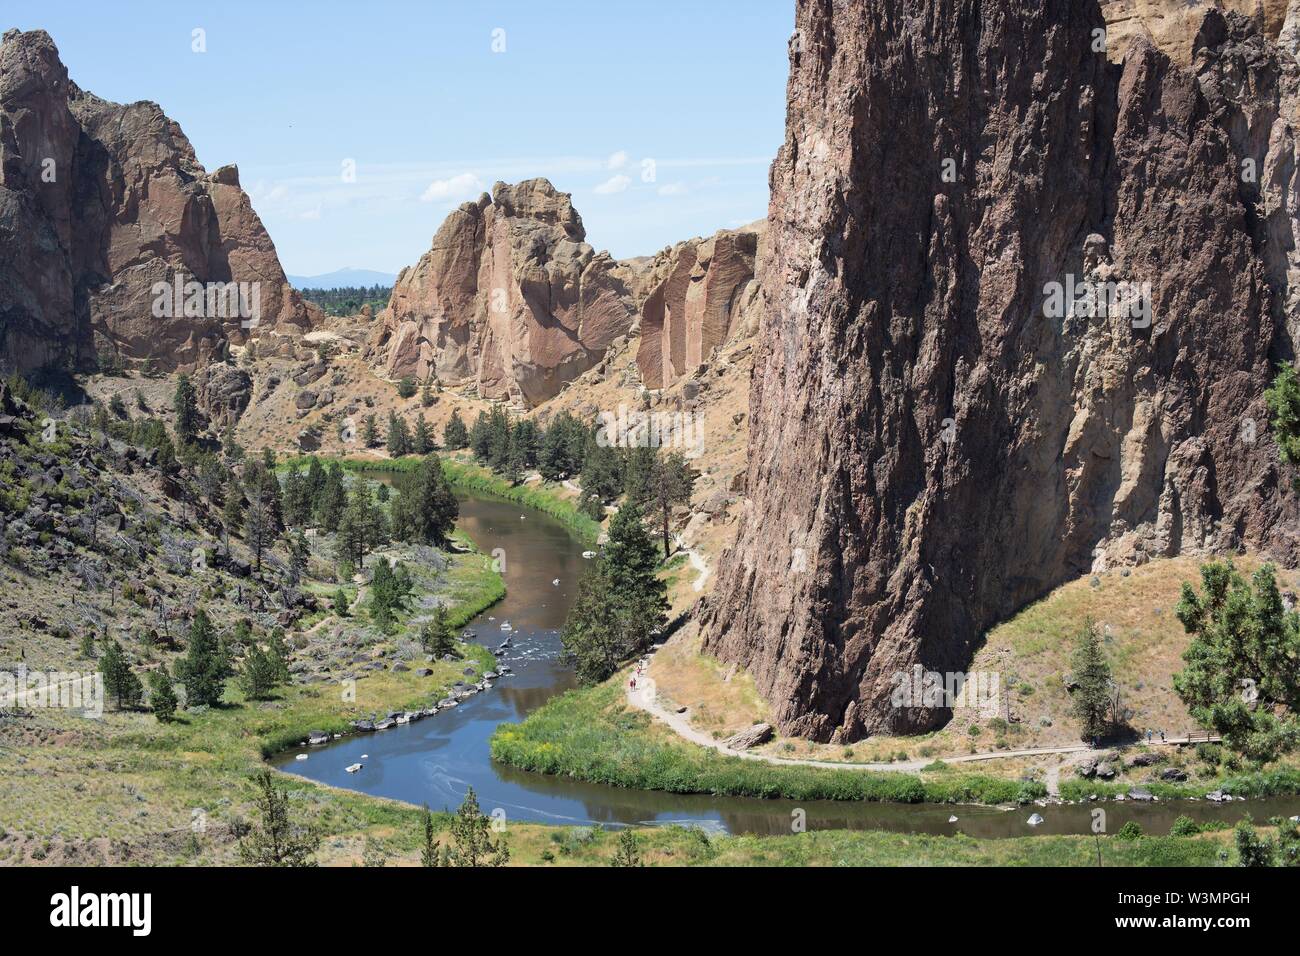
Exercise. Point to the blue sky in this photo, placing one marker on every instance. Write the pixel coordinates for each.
(584, 93)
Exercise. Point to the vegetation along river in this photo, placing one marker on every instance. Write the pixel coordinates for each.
(434, 761)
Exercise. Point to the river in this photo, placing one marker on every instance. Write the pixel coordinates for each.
(434, 761)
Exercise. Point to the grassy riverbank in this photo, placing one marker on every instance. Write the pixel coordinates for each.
(590, 734)
(397, 839)
(126, 788)
(464, 475)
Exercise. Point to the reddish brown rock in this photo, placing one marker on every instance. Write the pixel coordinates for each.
(510, 297)
(930, 449)
(700, 293)
(98, 203)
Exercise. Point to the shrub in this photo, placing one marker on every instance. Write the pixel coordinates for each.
(1184, 826)
(1129, 831)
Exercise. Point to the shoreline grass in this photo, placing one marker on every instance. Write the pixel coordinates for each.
(468, 476)
(589, 734)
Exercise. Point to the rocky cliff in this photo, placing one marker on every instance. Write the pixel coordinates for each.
(1171, 25)
(100, 205)
(1021, 309)
(510, 297)
(700, 292)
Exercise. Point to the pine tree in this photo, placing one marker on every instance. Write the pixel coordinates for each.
(119, 680)
(454, 434)
(370, 433)
(333, 499)
(422, 439)
(426, 508)
(205, 666)
(429, 852)
(277, 841)
(633, 559)
(259, 525)
(1091, 671)
(399, 436)
(1240, 677)
(362, 528)
(257, 678)
(602, 470)
(187, 410)
(438, 637)
(671, 484)
(621, 603)
(278, 654)
(471, 841)
(480, 438)
(162, 698)
(233, 510)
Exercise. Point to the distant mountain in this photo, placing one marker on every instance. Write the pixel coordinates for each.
(344, 278)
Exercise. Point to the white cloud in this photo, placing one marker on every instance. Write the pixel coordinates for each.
(617, 160)
(313, 213)
(615, 184)
(457, 187)
(672, 189)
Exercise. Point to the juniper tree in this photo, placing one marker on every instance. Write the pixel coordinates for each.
(422, 438)
(425, 510)
(119, 680)
(437, 636)
(1240, 676)
(277, 840)
(454, 434)
(1091, 698)
(162, 697)
(204, 668)
(187, 410)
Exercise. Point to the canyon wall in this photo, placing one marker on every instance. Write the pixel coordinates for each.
(1020, 311)
(99, 202)
(700, 292)
(510, 298)
(1171, 25)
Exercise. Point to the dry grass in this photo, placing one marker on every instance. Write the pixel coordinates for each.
(1143, 638)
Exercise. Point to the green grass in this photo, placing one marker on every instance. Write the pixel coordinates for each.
(464, 476)
(1282, 781)
(588, 734)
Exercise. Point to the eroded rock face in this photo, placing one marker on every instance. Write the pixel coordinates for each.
(702, 291)
(1171, 25)
(509, 297)
(98, 203)
(932, 444)
(223, 393)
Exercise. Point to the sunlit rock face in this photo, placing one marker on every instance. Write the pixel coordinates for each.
(100, 205)
(1020, 311)
(510, 297)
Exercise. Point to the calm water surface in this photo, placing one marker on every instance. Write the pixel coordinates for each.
(435, 760)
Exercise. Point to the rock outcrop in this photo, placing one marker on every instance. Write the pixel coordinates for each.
(702, 291)
(1021, 310)
(1171, 25)
(510, 298)
(102, 204)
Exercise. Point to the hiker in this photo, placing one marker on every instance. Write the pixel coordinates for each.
(1162, 736)
(1149, 735)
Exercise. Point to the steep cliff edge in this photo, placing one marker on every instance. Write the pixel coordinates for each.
(1019, 321)
(699, 294)
(510, 297)
(101, 202)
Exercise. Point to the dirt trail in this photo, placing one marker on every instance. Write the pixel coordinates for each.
(643, 697)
